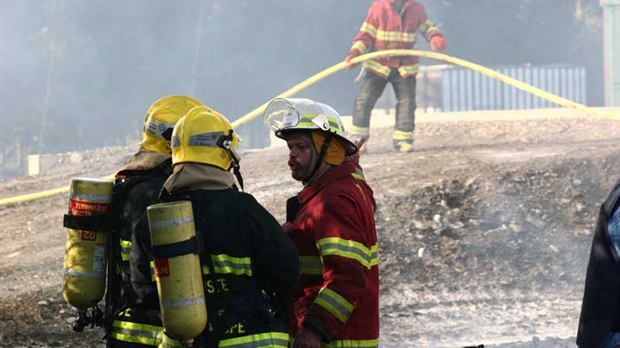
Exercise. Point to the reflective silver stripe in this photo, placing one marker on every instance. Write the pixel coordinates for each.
(273, 342)
(378, 67)
(183, 303)
(91, 198)
(225, 266)
(205, 139)
(374, 256)
(349, 249)
(334, 303)
(125, 249)
(311, 265)
(369, 28)
(325, 250)
(81, 274)
(172, 222)
(169, 342)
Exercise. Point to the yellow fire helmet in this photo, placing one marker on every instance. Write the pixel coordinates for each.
(160, 120)
(285, 115)
(205, 136)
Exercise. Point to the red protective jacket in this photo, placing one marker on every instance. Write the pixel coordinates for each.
(334, 231)
(385, 30)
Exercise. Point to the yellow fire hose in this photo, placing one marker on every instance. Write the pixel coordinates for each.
(40, 195)
(342, 65)
(437, 56)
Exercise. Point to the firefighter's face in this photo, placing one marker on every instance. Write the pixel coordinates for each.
(301, 155)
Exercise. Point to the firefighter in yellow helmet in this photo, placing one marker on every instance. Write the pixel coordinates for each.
(246, 258)
(128, 322)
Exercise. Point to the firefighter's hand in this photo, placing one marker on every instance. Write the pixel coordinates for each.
(307, 338)
(349, 64)
(355, 158)
(438, 43)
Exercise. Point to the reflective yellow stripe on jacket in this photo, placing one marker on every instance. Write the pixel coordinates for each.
(427, 27)
(369, 29)
(399, 36)
(152, 265)
(337, 305)
(359, 46)
(404, 70)
(226, 264)
(349, 249)
(268, 339)
(168, 342)
(125, 249)
(136, 333)
(359, 175)
(407, 70)
(311, 265)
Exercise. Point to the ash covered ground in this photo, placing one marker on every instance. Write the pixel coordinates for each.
(484, 231)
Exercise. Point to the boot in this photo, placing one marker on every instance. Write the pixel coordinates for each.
(403, 146)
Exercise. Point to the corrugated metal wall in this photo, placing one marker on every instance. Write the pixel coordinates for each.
(451, 88)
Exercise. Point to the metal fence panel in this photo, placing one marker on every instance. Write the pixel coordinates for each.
(451, 88)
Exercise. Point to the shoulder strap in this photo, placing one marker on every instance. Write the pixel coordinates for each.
(114, 301)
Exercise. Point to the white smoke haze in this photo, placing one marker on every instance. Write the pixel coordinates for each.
(484, 232)
(78, 75)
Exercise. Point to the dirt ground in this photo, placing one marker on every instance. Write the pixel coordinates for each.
(484, 231)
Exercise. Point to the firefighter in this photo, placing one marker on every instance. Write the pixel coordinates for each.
(137, 185)
(599, 323)
(391, 24)
(246, 257)
(331, 221)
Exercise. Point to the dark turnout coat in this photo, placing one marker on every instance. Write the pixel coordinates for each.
(246, 258)
(600, 311)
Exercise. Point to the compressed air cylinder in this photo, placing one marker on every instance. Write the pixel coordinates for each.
(84, 280)
(179, 278)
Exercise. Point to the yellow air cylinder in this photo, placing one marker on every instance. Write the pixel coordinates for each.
(179, 277)
(83, 283)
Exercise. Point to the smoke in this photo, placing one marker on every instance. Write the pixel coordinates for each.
(80, 75)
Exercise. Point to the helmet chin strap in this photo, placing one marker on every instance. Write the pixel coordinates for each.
(238, 175)
(317, 164)
(226, 143)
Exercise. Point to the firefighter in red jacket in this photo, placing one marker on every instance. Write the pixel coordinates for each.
(391, 24)
(331, 221)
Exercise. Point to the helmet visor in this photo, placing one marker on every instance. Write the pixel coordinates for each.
(296, 113)
(281, 114)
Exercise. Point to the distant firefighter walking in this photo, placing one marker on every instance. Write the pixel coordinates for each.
(391, 24)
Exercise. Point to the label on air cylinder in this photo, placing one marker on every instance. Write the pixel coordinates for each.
(99, 258)
(81, 208)
(162, 268)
